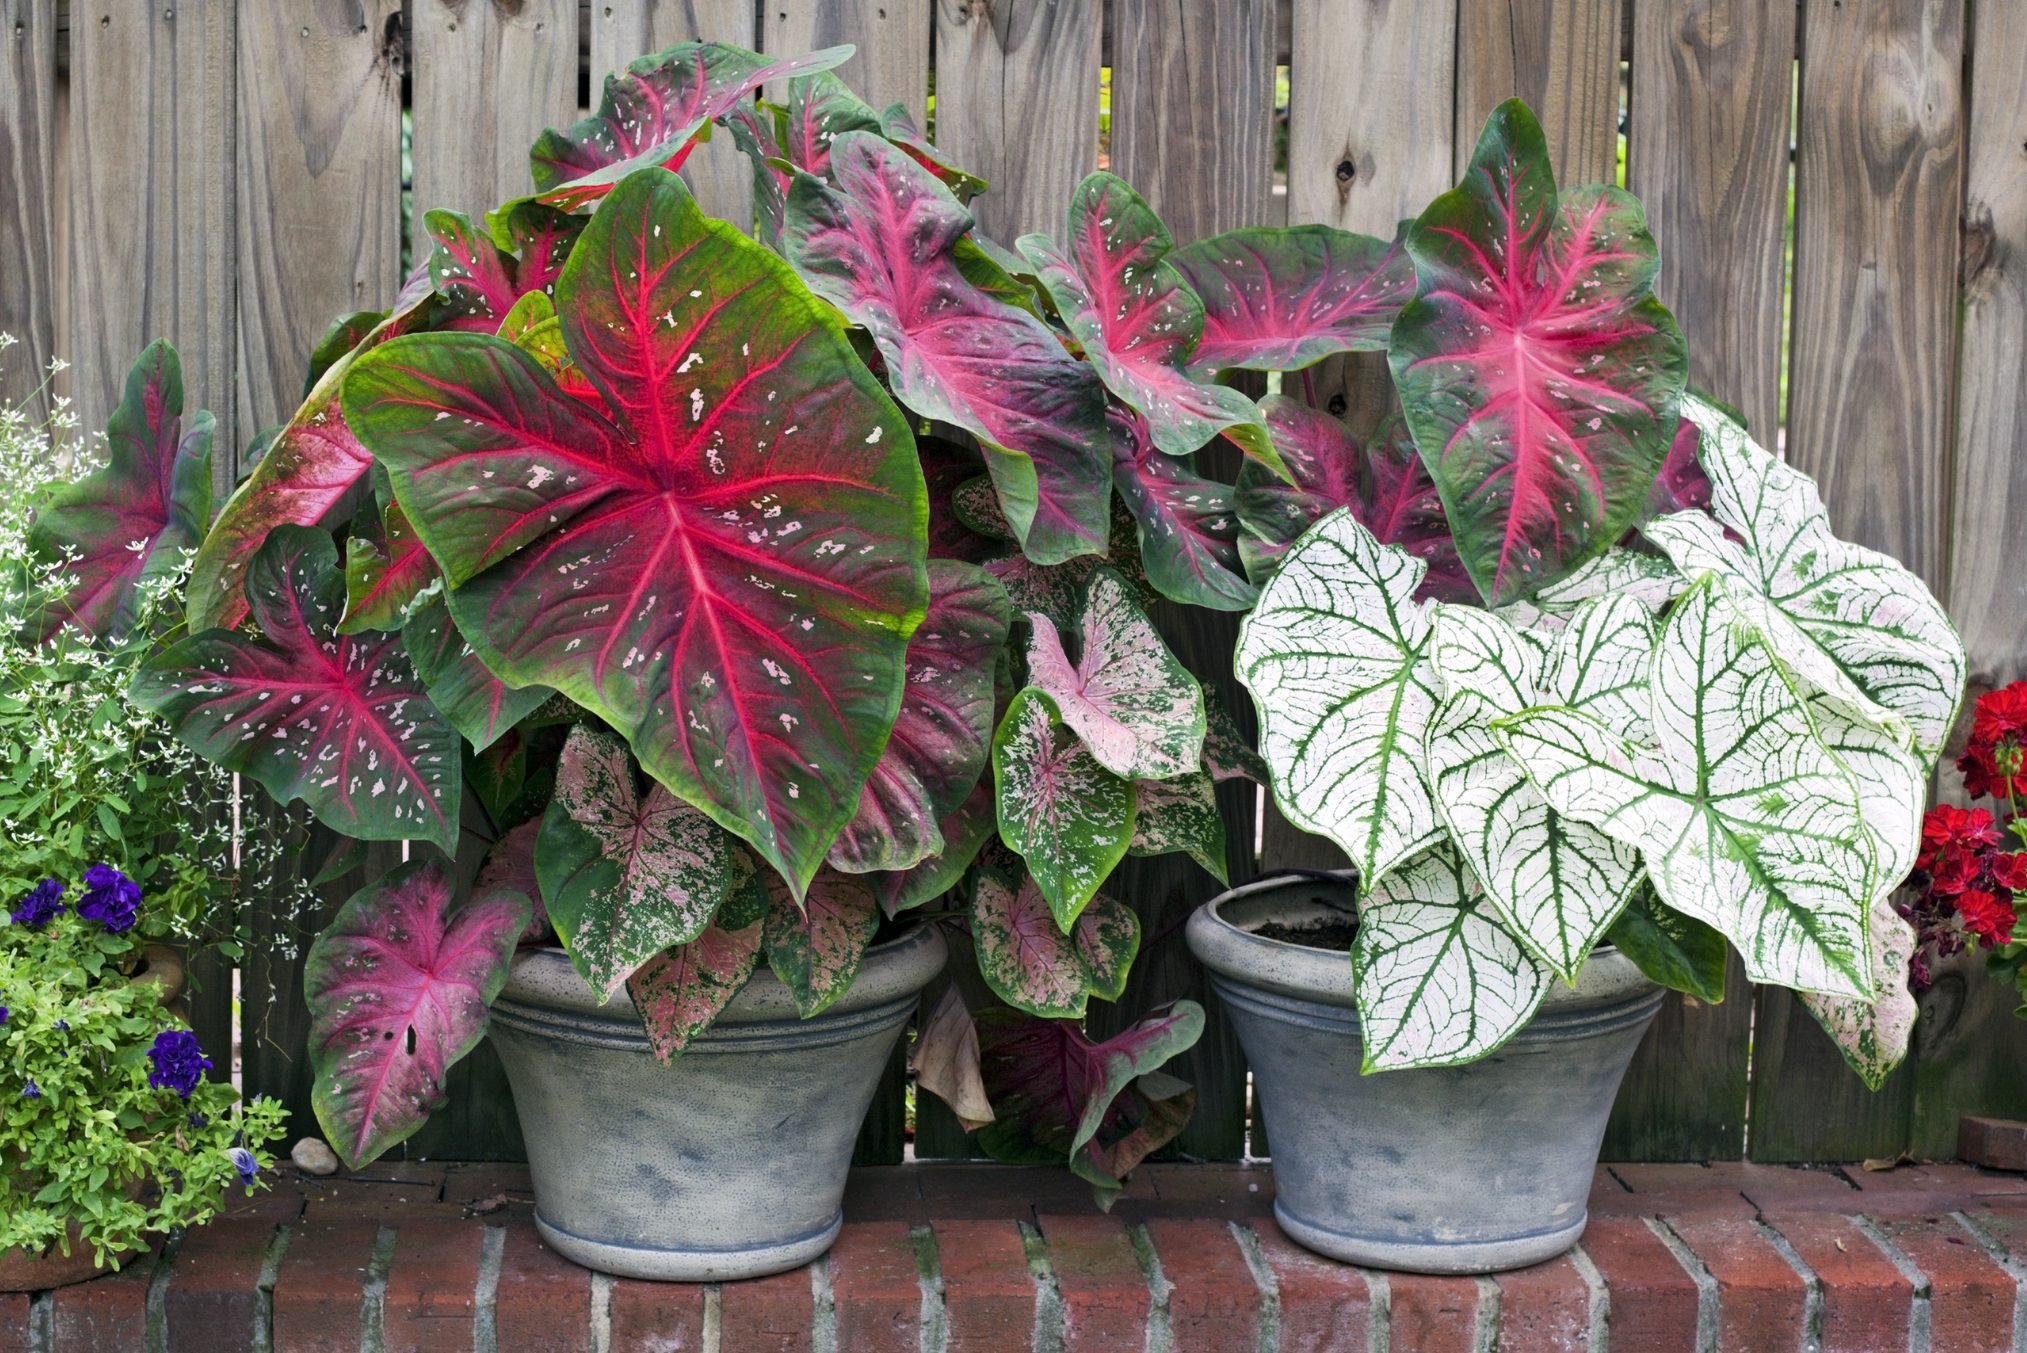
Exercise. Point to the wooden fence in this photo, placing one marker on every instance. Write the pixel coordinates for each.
(229, 173)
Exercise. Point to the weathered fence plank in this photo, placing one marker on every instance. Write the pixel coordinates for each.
(892, 63)
(1878, 191)
(1562, 56)
(624, 29)
(486, 77)
(27, 197)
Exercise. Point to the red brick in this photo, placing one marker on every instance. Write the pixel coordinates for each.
(1326, 1306)
(1545, 1307)
(485, 1181)
(1214, 1301)
(1790, 1188)
(1867, 1300)
(543, 1302)
(210, 1301)
(878, 1288)
(1959, 1182)
(105, 1313)
(1433, 1314)
(1994, 1143)
(1762, 1299)
(1105, 1294)
(319, 1294)
(424, 1177)
(1653, 1298)
(766, 1315)
(432, 1285)
(14, 1322)
(1230, 1191)
(988, 1292)
(665, 1317)
(1970, 1299)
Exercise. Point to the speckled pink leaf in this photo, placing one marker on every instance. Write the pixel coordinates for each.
(1537, 371)
(1228, 753)
(1189, 531)
(338, 721)
(478, 704)
(1066, 815)
(510, 864)
(882, 245)
(678, 993)
(944, 730)
(624, 874)
(815, 949)
(398, 988)
(1127, 698)
(1181, 814)
(1279, 299)
(1027, 959)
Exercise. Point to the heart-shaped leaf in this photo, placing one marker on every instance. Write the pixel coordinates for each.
(338, 721)
(1537, 371)
(1228, 752)
(624, 875)
(945, 1061)
(941, 737)
(897, 124)
(1181, 814)
(1104, 1107)
(480, 278)
(1646, 578)
(1189, 532)
(129, 519)
(398, 988)
(477, 703)
(1280, 299)
(1128, 699)
(882, 246)
(1852, 623)
(1744, 819)
(679, 993)
(1067, 816)
(1027, 959)
(651, 114)
(1438, 980)
(724, 562)
(819, 107)
(1137, 319)
(1874, 1034)
(1336, 656)
(815, 948)
(387, 568)
(510, 864)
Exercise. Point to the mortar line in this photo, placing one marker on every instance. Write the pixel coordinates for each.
(1812, 1287)
(1485, 1324)
(1049, 1312)
(264, 1285)
(1379, 1332)
(1160, 1337)
(1920, 1319)
(1268, 1329)
(2014, 1269)
(373, 1300)
(1706, 1285)
(933, 1324)
(601, 1312)
(486, 1295)
(823, 1327)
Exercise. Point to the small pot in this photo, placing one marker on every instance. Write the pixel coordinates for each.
(1466, 1169)
(21, 1271)
(728, 1163)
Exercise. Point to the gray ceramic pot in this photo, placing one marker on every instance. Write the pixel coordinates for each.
(728, 1163)
(1468, 1169)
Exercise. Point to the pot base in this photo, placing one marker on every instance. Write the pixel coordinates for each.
(690, 1266)
(1448, 1257)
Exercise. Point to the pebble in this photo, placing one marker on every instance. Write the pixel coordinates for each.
(313, 1157)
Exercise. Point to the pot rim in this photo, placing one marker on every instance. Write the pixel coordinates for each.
(543, 977)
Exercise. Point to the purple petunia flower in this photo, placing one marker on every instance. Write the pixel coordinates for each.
(110, 898)
(243, 1161)
(31, 1091)
(3, 1014)
(179, 1062)
(41, 905)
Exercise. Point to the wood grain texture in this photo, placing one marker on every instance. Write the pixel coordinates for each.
(28, 261)
(1192, 119)
(487, 76)
(892, 63)
(1017, 104)
(1562, 56)
(152, 201)
(624, 29)
(1684, 1095)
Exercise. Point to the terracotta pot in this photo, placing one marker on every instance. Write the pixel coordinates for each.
(21, 1271)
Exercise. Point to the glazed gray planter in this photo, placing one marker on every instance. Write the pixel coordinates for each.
(728, 1163)
(1467, 1169)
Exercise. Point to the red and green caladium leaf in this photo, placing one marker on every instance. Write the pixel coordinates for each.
(882, 244)
(965, 832)
(479, 279)
(721, 555)
(339, 721)
(1103, 1106)
(477, 703)
(938, 748)
(128, 520)
(652, 113)
(1067, 816)
(1027, 959)
(1189, 532)
(1127, 698)
(624, 874)
(387, 566)
(1136, 318)
(1181, 814)
(1682, 483)
(815, 948)
(398, 989)
(679, 993)
(1537, 371)
(1286, 298)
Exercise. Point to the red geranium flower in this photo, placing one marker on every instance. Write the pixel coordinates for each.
(1994, 761)
(2010, 872)
(1953, 838)
(1986, 916)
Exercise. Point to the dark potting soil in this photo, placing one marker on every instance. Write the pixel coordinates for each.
(1335, 936)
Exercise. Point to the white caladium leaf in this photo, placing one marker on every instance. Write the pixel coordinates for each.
(1336, 657)
(1127, 698)
(1030, 963)
(1745, 819)
(1648, 579)
(1557, 882)
(1067, 816)
(1602, 664)
(1437, 978)
(1853, 623)
(1181, 814)
(1874, 1035)
(1892, 788)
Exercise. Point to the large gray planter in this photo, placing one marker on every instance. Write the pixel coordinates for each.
(728, 1163)
(1468, 1169)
